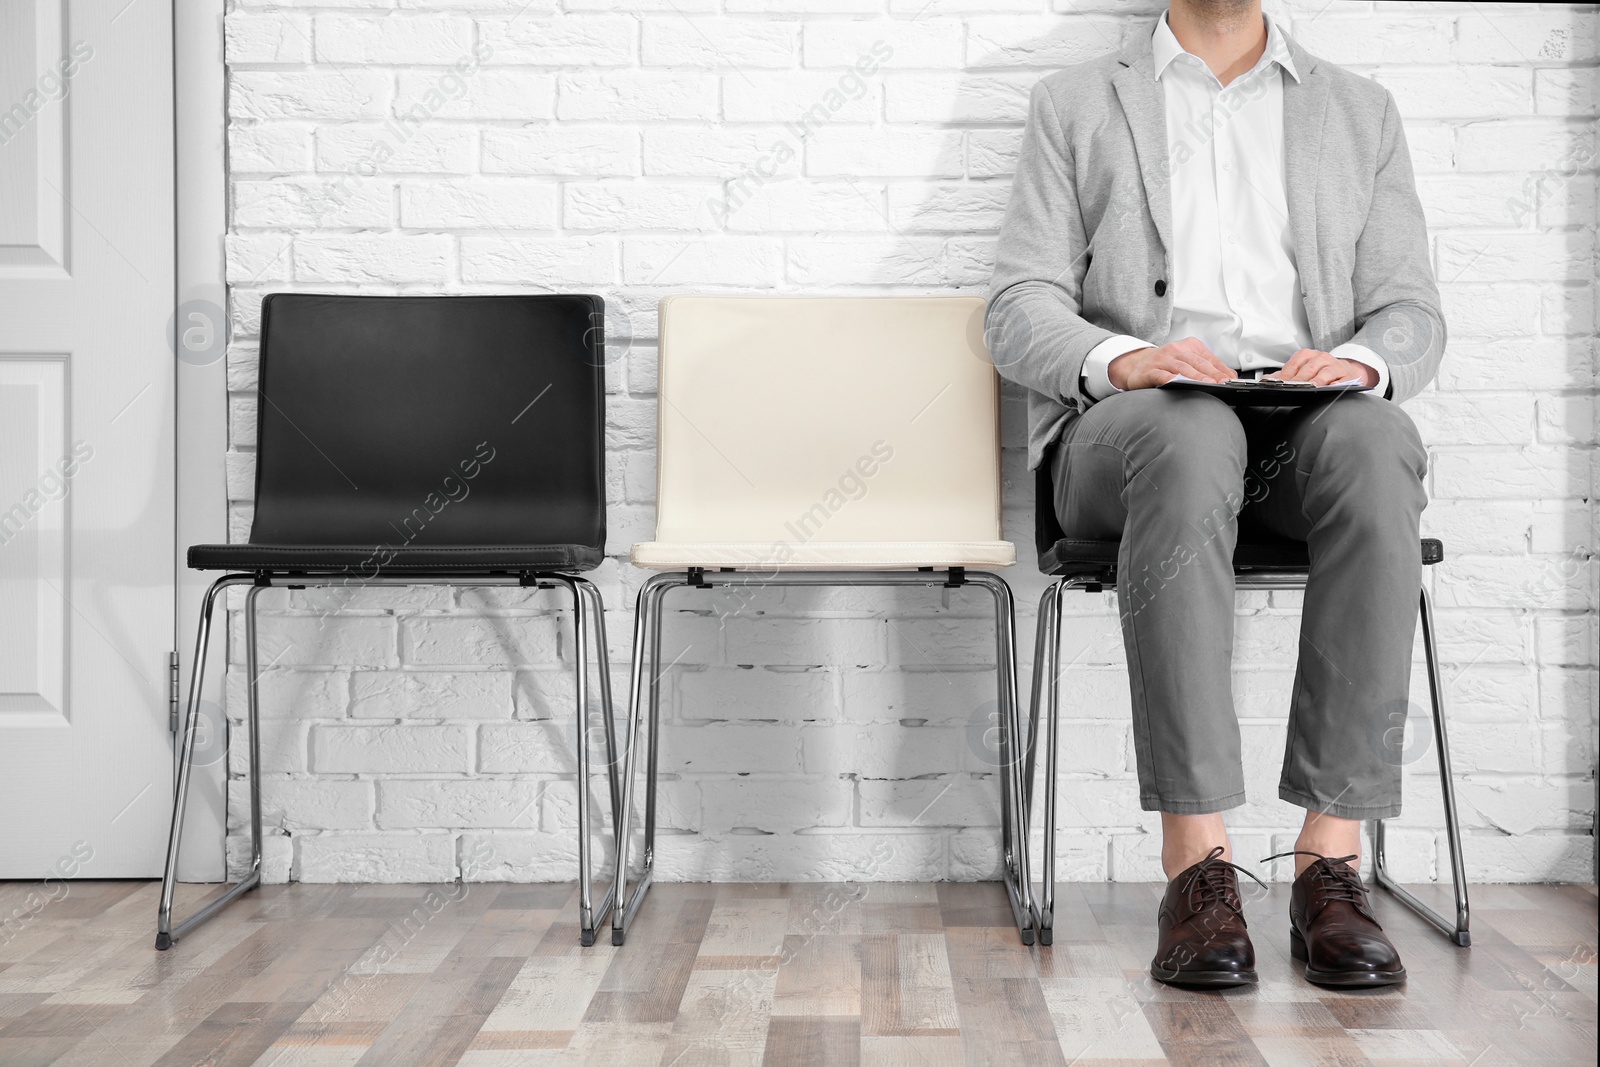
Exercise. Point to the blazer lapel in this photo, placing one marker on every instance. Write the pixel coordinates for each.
(1142, 103)
(1305, 103)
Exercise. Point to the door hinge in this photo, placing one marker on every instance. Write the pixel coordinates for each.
(172, 691)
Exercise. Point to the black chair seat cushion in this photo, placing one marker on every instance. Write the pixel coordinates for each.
(1068, 557)
(367, 561)
(1073, 557)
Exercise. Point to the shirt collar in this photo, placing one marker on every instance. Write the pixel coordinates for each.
(1164, 48)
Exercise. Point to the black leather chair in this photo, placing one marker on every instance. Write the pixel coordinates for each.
(409, 440)
(1257, 564)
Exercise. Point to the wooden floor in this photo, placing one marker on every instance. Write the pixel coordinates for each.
(484, 974)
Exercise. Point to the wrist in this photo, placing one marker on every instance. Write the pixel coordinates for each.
(1119, 368)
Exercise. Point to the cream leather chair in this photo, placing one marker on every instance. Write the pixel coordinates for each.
(825, 441)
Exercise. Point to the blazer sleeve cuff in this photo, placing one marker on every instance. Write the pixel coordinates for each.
(1362, 354)
(1097, 364)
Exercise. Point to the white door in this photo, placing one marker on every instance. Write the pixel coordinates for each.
(86, 436)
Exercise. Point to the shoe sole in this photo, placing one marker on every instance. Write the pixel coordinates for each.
(1206, 979)
(1340, 979)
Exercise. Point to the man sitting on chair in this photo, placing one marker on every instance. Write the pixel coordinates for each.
(1215, 202)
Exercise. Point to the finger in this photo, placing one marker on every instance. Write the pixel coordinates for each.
(1192, 367)
(1332, 373)
(1223, 371)
(1306, 369)
(1293, 367)
(1201, 361)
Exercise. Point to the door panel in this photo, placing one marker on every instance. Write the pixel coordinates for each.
(87, 389)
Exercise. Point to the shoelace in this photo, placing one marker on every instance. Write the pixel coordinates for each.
(1208, 882)
(1334, 879)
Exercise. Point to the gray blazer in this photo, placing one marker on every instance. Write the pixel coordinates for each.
(1087, 233)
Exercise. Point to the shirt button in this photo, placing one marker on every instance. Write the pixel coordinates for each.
(1225, 166)
(1232, 239)
(1161, 287)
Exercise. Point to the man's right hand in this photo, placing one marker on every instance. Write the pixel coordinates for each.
(1145, 368)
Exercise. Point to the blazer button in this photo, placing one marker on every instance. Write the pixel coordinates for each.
(1161, 287)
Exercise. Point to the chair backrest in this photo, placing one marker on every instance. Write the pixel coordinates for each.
(1046, 526)
(444, 420)
(826, 419)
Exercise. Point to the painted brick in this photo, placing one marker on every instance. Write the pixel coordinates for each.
(298, 804)
(634, 96)
(574, 41)
(388, 149)
(846, 153)
(756, 155)
(482, 93)
(718, 43)
(429, 803)
(376, 857)
(431, 694)
(743, 695)
(516, 205)
(957, 98)
(373, 258)
(267, 37)
(1380, 38)
(487, 641)
(299, 640)
(314, 94)
(348, 39)
(273, 148)
(390, 749)
(291, 694)
(309, 204)
(610, 206)
(551, 152)
(573, 261)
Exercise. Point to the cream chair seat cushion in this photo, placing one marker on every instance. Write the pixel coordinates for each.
(829, 555)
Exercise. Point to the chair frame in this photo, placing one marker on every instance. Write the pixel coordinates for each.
(1046, 681)
(644, 687)
(587, 605)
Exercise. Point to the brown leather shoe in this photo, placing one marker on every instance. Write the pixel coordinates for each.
(1201, 939)
(1332, 928)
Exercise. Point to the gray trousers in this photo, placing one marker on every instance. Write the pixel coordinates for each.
(1176, 476)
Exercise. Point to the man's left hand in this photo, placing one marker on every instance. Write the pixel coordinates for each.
(1321, 368)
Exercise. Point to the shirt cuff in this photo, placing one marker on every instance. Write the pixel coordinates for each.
(1097, 364)
(1362, 354)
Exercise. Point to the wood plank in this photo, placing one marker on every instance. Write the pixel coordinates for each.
(805, 1041)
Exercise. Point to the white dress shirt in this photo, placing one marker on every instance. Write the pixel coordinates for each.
(1233, 279)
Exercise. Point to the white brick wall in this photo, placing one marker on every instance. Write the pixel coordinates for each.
(641, 147)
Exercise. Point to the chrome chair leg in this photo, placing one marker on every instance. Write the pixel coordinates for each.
(1459, 931)
(166, 933)
(642, 688)
(1040, 651)
(1047, 664)
(583, 608)
(1049, 667)
(1013, 805)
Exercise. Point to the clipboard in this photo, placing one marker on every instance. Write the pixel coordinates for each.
(1266, 392)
